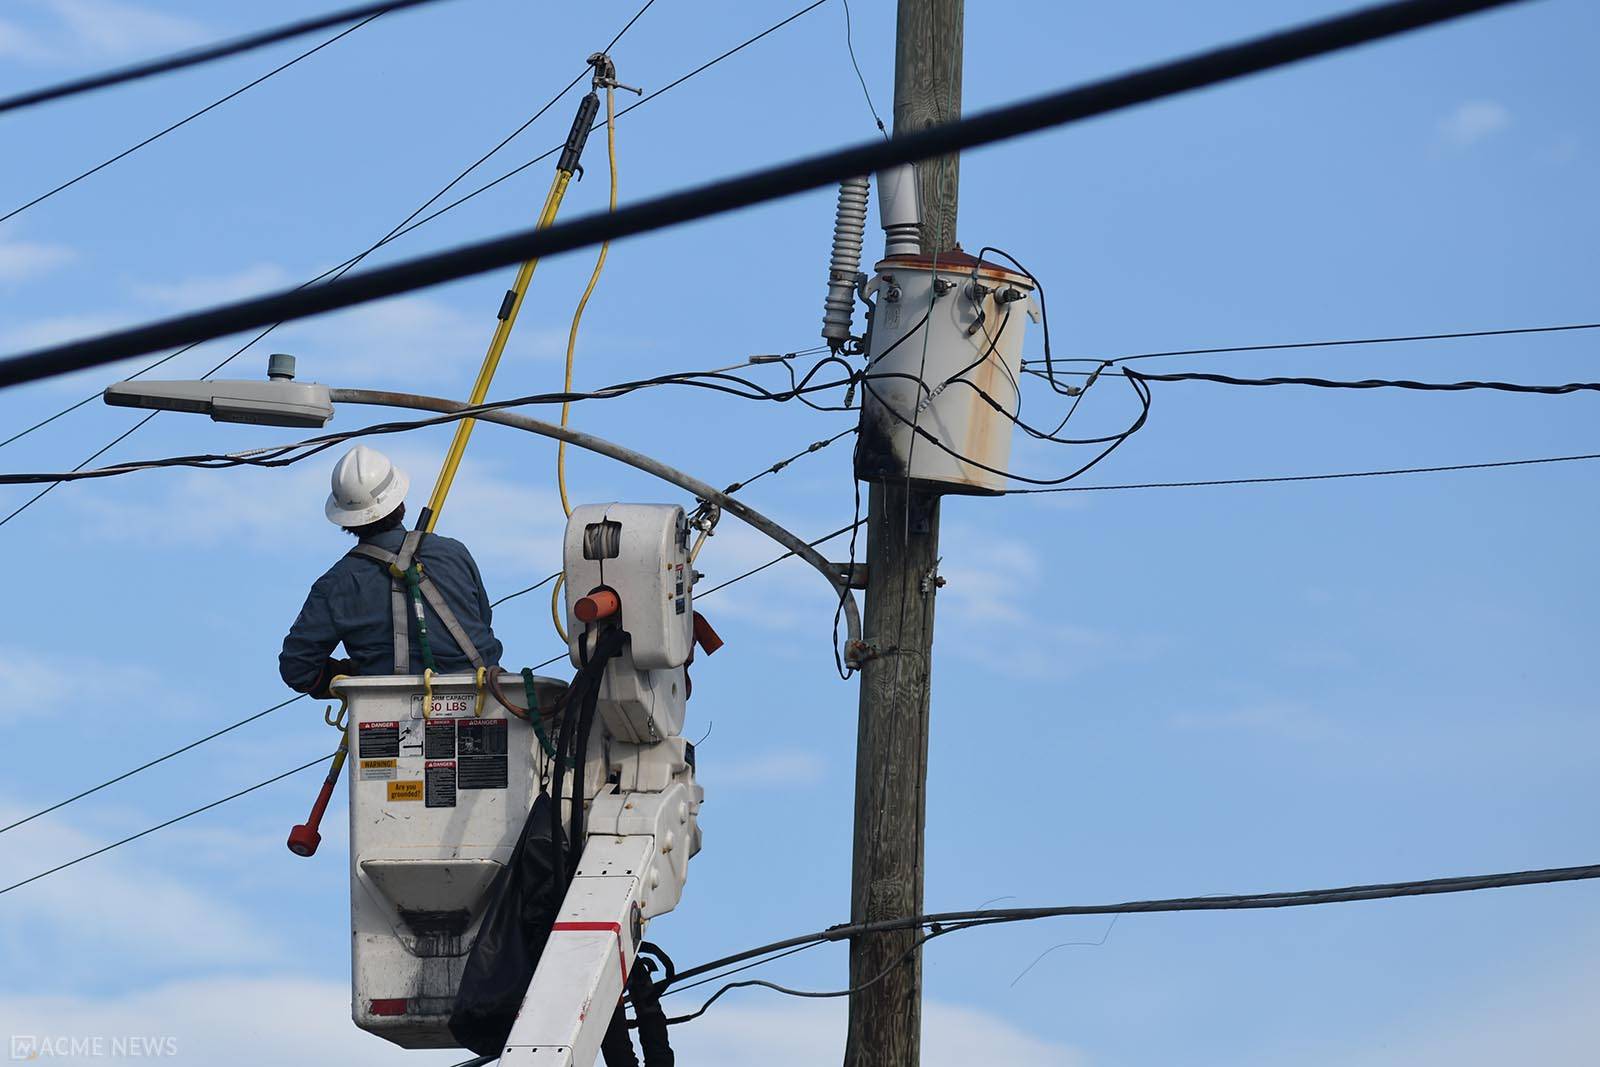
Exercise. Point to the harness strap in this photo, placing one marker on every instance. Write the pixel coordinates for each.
(397, 565)
(452, 625)
(397, 604)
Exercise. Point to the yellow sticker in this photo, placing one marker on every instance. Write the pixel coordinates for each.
(405, 790)
(377, 770)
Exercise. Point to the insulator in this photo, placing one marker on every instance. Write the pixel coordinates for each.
(849, 233)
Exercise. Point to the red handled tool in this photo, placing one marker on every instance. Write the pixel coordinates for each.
(304, 838)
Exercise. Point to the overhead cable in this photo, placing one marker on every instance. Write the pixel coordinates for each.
(146, 766)
(163, 825)
(1052, 109)
(1403, 339)
(940, 922)
(1371, 383)
(70, 182)
(207, 54)
(1308, 477)
(412, 222)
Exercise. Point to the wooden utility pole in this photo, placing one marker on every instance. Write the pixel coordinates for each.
(902, 578)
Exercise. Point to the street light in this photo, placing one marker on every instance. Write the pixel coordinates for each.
(278, 401)
(281, 401)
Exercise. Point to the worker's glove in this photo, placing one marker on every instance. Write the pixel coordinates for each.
(331, 670)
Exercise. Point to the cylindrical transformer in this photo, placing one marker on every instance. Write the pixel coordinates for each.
(945, 352)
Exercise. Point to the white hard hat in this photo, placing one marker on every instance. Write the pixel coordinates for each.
(366, 487)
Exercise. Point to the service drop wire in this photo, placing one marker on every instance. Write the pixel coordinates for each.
(296, 451)
(940, 923)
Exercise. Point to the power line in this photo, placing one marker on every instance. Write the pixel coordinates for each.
(1371, 383)
(720, 197)
(412, 222)
(1307, 477)
(702, 68)
(146, 766)
(164, 825)
(335, 272)
(221, 50)
(296, 451)
(850, 44)
(185, 121)
(946, 922)
(1326, 344)
(815, 446)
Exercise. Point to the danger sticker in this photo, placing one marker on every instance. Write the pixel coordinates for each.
(410, 790)
(377, 770)
(439, 739)
(481, 751)
(440, 778)
(378, 740)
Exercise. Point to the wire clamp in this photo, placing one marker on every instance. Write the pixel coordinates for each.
(605, 74)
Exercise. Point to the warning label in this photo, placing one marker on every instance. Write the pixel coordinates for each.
(411, 790)
(377, 740)
(440, 776)
(377, 770)
(481, 754)
(440, 739)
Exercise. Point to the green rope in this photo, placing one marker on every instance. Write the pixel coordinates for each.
(413, 583)
(534, 717)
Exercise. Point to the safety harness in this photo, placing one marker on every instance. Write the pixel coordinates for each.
(407, 582)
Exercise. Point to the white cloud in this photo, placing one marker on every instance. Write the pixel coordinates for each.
(789, 767)
(503, 520)
(1472, 122)
(55, 329)
(71, 31)
(117, 906)
(244, 1022)
(37, 683)
(806, 1034)
(24, 260)
(215, 289)
(1544, 1016)
(231, 1020)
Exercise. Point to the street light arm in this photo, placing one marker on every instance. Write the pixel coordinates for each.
(854, 647)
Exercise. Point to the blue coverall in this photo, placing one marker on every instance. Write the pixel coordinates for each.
(351, 603)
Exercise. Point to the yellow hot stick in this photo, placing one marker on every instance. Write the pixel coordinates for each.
(491, 360)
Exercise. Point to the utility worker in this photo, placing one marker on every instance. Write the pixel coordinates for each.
(372, 599)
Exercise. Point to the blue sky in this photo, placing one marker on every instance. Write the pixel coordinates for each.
(1137, 694)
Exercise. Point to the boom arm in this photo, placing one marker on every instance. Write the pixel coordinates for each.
(641, 833)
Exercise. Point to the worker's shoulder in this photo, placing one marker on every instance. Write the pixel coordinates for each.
(438, 544)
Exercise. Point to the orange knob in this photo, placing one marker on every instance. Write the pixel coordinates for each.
(601, 604)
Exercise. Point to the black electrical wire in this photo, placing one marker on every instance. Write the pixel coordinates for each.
(1371, 383)
(1052, 109)
(536, 585)
(297, 451)
(850, 44)
(164, 825)
(1308, 477)
(645, 99)
(412, 222)
(1402, 339)
(815, 446)
(337, 271)
(207, 54)
(146, 766)
(945, 922)
(69, 183)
